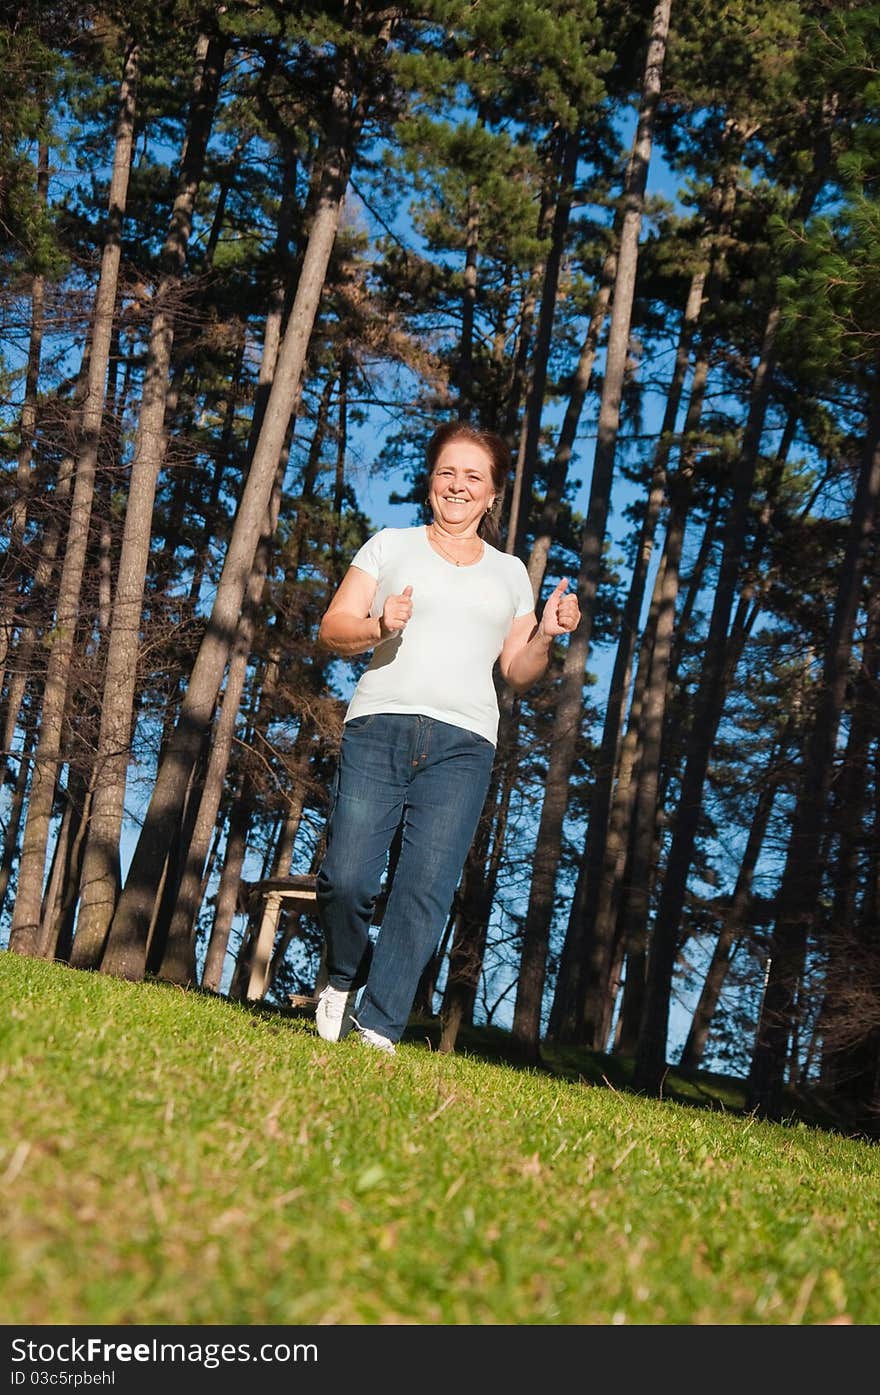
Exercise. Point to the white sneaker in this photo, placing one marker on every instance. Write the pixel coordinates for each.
(333, 1017)
(375, 1039)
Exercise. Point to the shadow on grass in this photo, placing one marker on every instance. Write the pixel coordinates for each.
(698, 1089)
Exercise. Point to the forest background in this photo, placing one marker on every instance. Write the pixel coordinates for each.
(251, 255)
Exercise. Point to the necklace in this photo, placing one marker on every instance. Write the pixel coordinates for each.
(439, 544)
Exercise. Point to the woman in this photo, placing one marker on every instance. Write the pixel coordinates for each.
(438, 605)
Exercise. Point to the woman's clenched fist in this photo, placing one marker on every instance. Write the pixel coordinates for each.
(396, 612)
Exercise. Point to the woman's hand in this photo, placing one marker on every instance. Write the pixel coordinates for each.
(527, 649)
(396, 612)
(561, 613)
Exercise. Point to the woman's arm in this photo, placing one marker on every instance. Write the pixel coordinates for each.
(348, 628)
(526, 651)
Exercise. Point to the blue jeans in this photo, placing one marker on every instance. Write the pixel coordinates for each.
(436, 776)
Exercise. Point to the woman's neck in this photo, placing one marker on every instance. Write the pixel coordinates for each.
(469, 534)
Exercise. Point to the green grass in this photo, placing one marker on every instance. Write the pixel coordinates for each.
(172, 1158)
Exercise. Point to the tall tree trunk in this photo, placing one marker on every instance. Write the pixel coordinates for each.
(60, 899)
(568, 998)
(337, 563)
(558, 473)
(802, 874)
(208, 507)
(271, 343)
(649, 800)
(21, 670)
(536, 935)
(476, 895)
(643, 845)
(651, 1055)
(468, 310)
(645, 838)
(527, 458)
(748, 608)
(590, 1026)
(101, 872)
(516, 388)
(126, 947)
(227, 895)
(650, 1065)
(734, 919)
(585, 963)
(27, 422)
(606, 938)
(25, 930)
(849, 1046)
(695, 587)
(175, 960)
(178, 961)
(747, 611)
(15, 811)
(635, 953)
(610, 1003)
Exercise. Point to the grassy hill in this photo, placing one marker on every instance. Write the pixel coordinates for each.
(168, 1157)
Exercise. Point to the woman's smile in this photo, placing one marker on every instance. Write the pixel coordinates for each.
(461, 488)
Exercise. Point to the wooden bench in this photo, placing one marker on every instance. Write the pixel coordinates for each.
(265, 901)
(297, 894)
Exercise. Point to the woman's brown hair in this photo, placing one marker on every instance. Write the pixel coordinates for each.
(498, 452)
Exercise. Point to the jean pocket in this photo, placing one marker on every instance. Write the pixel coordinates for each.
(360, 723)
(475, 739)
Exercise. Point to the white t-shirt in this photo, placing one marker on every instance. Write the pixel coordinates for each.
(441, 664)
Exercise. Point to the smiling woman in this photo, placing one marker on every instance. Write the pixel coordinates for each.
(439, 606)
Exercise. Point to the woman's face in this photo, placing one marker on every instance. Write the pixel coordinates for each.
(460, 489)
